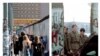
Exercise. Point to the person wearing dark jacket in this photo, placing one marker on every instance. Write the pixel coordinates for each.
(37, 47)
(16, 45)
(21, 42)
(91, 47)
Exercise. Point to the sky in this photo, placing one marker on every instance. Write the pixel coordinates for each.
(77, 12)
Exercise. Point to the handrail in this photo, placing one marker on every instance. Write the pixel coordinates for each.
(38, 21)
(46, 17)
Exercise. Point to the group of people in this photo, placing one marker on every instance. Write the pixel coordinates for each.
(26, 45)
(73, 40)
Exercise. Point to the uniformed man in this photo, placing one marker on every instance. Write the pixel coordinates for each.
(74, 40)
(83, 37)
(66, 39)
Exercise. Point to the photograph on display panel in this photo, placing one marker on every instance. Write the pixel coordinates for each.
(26, 29)
(81, 30)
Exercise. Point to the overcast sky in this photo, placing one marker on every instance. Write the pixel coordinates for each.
(77, 12)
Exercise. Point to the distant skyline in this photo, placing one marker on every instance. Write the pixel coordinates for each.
(77, 12)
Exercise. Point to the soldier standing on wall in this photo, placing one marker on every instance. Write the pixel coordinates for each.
(66, 41)
(74, 41)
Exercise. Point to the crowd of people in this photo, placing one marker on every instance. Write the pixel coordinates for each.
(74, 40)
(28, 45)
